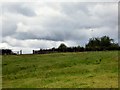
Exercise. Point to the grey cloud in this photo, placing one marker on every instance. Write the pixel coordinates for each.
(8, 29)
(24, 36)
(71, 8)
(18, 8)
(79, 17)
(73, 25)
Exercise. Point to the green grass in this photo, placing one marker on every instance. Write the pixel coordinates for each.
(61, 70)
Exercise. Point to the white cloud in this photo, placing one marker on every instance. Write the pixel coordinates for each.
(39, 1)
(48, 24)
(22, 28)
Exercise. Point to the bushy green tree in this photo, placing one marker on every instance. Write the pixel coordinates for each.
(103, 43)
(62, 47)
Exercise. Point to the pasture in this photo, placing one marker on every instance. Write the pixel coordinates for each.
(61, 70)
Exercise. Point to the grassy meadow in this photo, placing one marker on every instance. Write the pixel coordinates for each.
(61, 70)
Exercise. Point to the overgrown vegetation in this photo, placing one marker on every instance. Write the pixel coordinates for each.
(97, 69)
(100, 44)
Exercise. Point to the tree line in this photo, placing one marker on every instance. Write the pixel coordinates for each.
(94, 44)
(6, 52)
(9, 52)
(103, 43)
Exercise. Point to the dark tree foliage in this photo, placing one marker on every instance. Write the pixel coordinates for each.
(6, 52)
(103, 43)
(94, 44)
(62, 47)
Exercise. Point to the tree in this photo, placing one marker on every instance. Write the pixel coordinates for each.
(93, 44)
(62, 47)
(103, 43)
(114, 46)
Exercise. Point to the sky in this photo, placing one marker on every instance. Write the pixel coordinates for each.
(31, 26)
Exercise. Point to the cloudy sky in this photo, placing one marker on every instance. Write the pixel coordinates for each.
(29, 26)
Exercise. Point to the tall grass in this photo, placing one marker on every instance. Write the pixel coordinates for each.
(61, 70)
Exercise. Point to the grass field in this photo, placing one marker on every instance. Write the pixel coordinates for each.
(61, 70)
